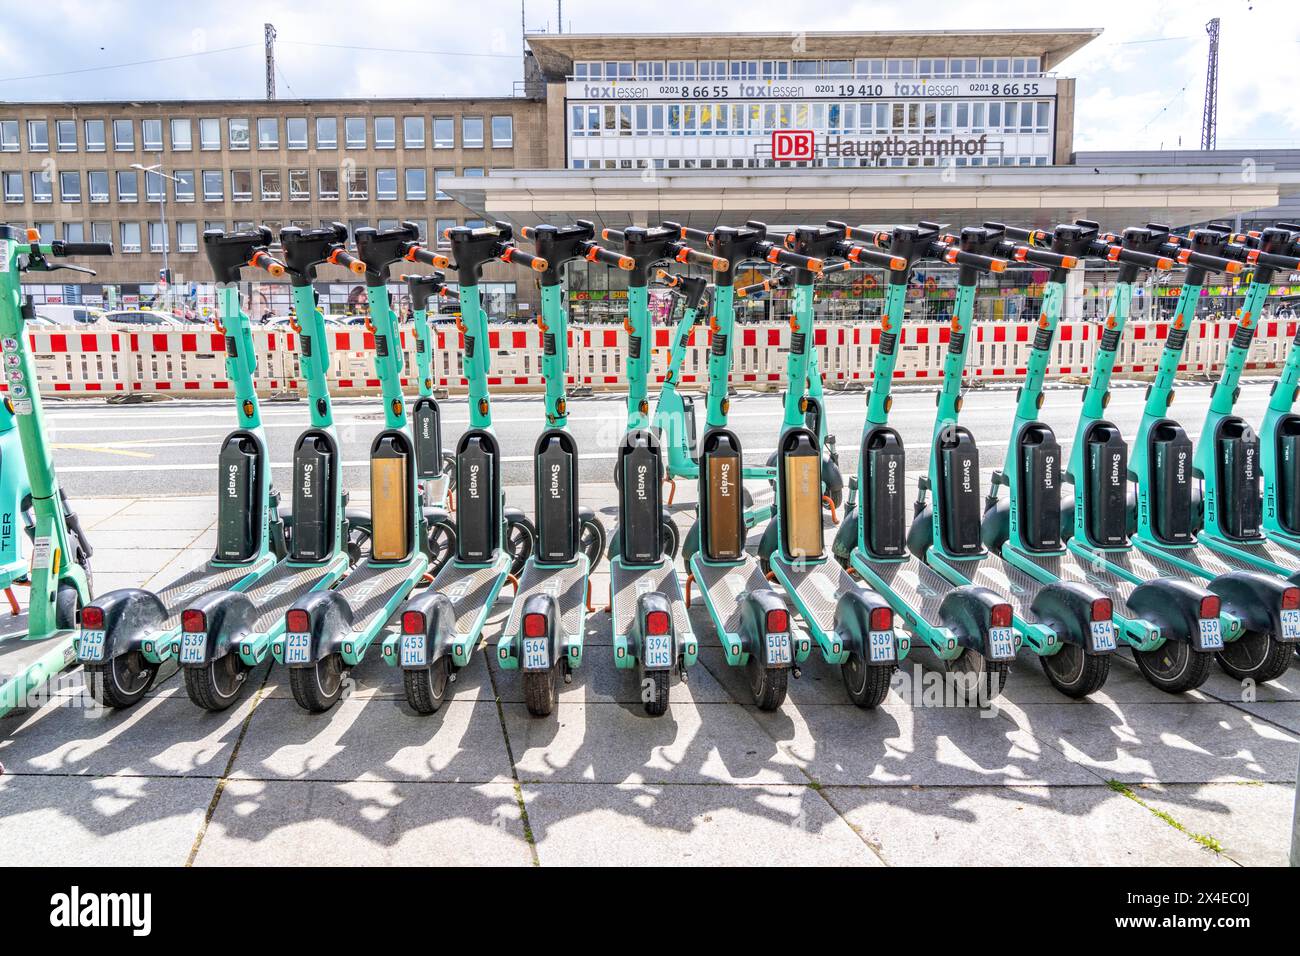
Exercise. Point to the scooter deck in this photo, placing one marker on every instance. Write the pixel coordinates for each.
(567, 583)
(277, 590)
(205, 579)
(816, 588)
(918, 586)
(1199, 559)
(1110, 572)
(371, 586)
(628, 583)
(1003, 578)
(1257, 552)
(472, 590)
(723, 586)
(26, 664)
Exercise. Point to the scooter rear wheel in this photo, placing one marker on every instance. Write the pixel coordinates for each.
(1074, 672)
(122, 681)
(540, 691)
(1255, 656)
(767, 684)
(987, 678)
(867, 684)
(1174, 667)
(426, 689)
(654, 691)
(318, 687)
(216, 685)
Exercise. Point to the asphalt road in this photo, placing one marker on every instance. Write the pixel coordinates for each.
(170, 448)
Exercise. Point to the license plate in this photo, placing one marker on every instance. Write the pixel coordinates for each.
(658, 652)
(1103, 636)
(413, 651)
(297, 649)
(881, 646)
(91, 646)
(778, 649)
(193, 647)
(1291, 625)
(1002, 643)
(536, 655)
(1211, 635)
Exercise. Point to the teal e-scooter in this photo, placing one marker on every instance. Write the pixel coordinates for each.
(434, 467)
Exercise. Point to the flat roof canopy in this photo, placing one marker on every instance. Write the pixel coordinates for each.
(555, 52)
(1038, 196)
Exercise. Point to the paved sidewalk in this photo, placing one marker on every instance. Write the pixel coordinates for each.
(1130, 777)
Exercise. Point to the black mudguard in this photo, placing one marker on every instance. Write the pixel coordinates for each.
(967, 611)
(1066, 608)
(439, 625)
(549, 607)
(754, 606)
(853, 621)
(1254, 597)
(331, 622)
(645, 603)
(230, 616)
(131, 615)
(1173, 605)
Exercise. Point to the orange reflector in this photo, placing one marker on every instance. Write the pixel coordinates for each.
(1069, 262)
(998, 265)
(897, 264)
(1232, 268)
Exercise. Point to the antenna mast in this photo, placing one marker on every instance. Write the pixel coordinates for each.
(1210, 118)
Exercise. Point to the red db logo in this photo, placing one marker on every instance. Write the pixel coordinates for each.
(792, 144)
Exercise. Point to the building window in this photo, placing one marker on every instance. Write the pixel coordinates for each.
(38, 136)
(124, 135)
(354, 128)
(97, 181)
(471, 132)
(241, 185)
(413, 132)
(210, 133)
(101, 232)
(158, 237)
(153, 187)
(187, 236)
(70, 187)
(65, 133)
(358, 184)
(74, 232)
(440, 227)
(415, 184)
(183, 185)
(182, 136)
(444, 133)
(9, 136)
(299, 184)
(46, 231)
(13, 187)
(151, 135)
(327, 182)
(440, 176)
(385, 184)
(327, 132)
(237, 130)
(270, 182)
(503, 132)
(295, 132)
(130, 237)
(268, 132)
(473, 172)
(94, 136)
(423, 226)
(127, 187)
(385, 132)
(213, 190)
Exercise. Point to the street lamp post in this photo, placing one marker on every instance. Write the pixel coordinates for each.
(157, 170)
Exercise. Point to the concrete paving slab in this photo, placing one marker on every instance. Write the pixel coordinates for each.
(671, 825)
(1178, 742)
(195, 518)
(1252, 822)
(167, 540)
(1014, 826)
(374, 739)
(364, 823)
(1284, 713)
(1223, 687)
(374, 678)
(142, 563)
(107, 821)
(618, 743)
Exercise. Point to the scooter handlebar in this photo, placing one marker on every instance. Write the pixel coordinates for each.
(742, 291)
(1201, 260)
(1043, 257)
(1032, 237)
(780, 256)
(516, 256)
(975, 260)
(694, 235)
(341, 257)
(610, 258)
(264, 260)
(612, 235)
(717, 263)
(61, 248)
(876, 257)
(1146, 260)
(1272, 260)
(420, 254)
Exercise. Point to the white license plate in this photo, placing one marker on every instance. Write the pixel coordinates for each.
(1002, 643)
(91, 646)
(297, 648)
(536, 655)
(413, 650)
(778, 649)
(881, 646)
(1211, 635)
(1291, 625)
(658, 652)
(193, 647)
(1103, 636)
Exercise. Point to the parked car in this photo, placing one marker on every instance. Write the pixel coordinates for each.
(141, 317)
(69, 314)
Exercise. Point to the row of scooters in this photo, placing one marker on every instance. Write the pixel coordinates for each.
(1184, 555)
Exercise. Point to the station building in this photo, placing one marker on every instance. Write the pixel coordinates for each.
(871, 127)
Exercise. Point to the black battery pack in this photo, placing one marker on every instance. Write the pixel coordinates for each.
(555, 497)
(959, 474)
(239, 493)
(688, 412)
(1288, 473)
(1039, 504)
(1240, 497)
(1171, 483)
(427, 418)
(313, 498)
(478, 509)
(884, 514)
(721, 492)
(640, 510)
(1105, 486)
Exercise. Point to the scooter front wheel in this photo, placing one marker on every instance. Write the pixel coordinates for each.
(767, 685)
(122, 681)
(426, 689)
(1174, 667)
(318, 687)
(867, 684)
(1255, 656)
(216, 685)
(591, 540)
(1074, 672)
(520, 539)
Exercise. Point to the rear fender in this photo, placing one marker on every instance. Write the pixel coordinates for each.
(131, 616)
(1171, 604)
(230, 616)
(754, 606)
(547, 606)
(1253, 597)
(1066, 608)
(853, 621)
(968, 612)
(330, 617)
(439, 629)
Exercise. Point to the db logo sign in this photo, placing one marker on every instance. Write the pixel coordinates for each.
(792, 144)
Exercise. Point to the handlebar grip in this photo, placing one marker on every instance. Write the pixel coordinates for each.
(975, 260)
(610, 258)
(784, 257)
(1136, 257)
(527, 232)
(421, 254)
(697, 235)
(61, 248)
(264, 260)
(837, 267)
(1210, 263)
(1043, 257)
(341, 257)
(877, 257)
(612, 235)
(1273, 261)
(667, 278)
(753, 289)
(514, 254)
(717, 263)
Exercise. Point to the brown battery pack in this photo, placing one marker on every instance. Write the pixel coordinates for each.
(726, 509)
(388, 502)
(803, 506)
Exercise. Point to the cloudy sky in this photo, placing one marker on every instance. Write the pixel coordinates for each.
(1140, 85)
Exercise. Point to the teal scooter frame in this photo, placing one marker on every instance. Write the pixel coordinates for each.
(60, 560)
(128, 634)
(15, 489)
(435, 469)
(1279, 438)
